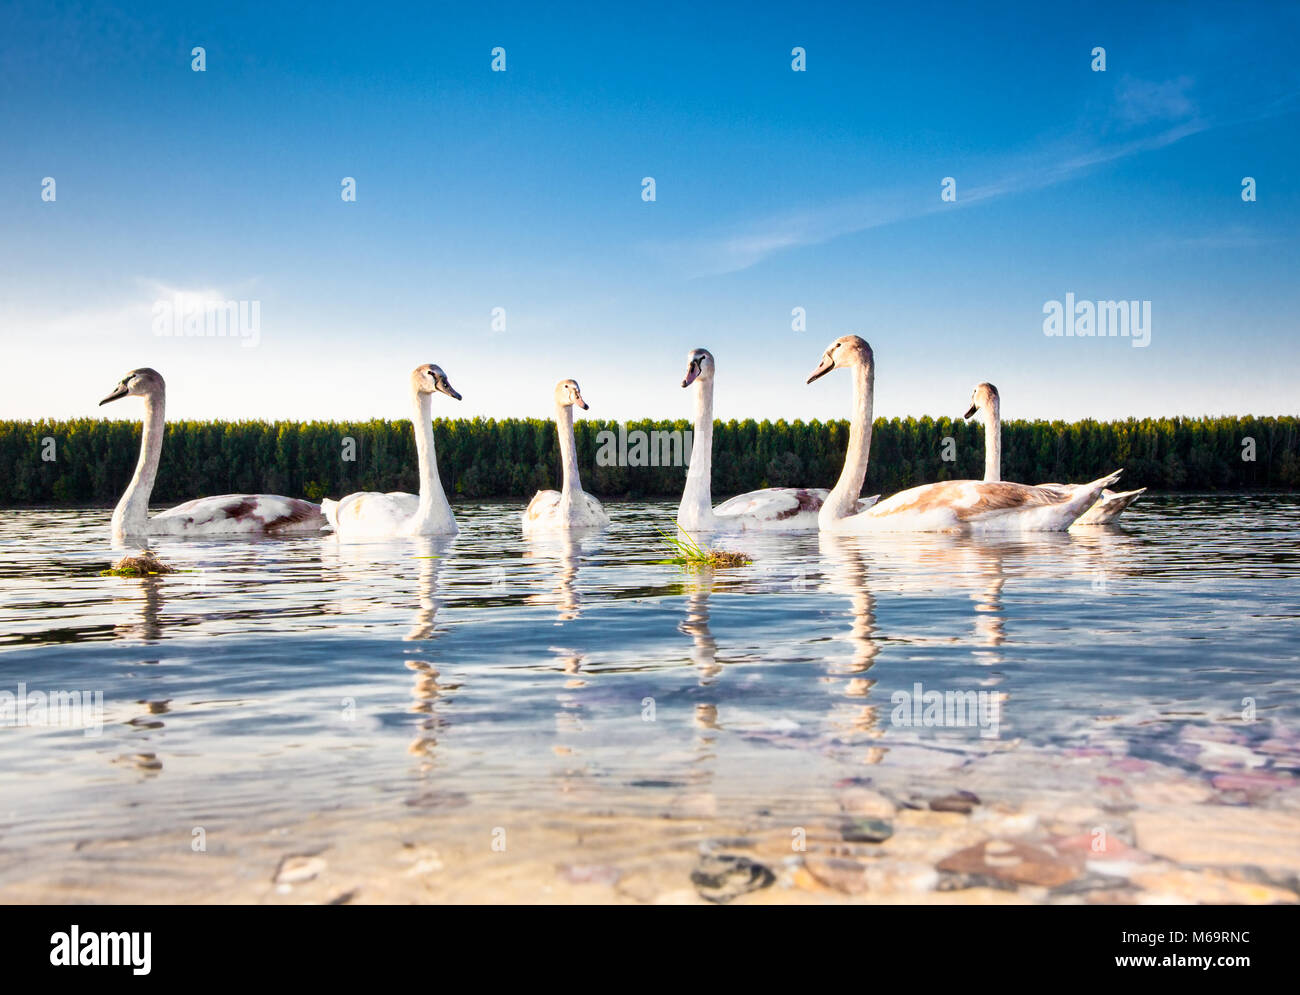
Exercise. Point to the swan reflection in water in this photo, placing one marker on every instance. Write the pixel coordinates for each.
(980, 570)
(853, 720)
(362, 573)
(559, 555)
(144, 599)
(704, 649)
(430, 553)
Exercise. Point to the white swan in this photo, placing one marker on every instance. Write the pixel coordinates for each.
(372, 515)
(572, 507)
(988, 403)
(948, 506)
(772, 509)
(226, 514)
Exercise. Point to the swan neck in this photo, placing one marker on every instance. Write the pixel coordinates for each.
(993, 443)
(131, 515)
(568, 450)
(842, 500)
(433, 500)
(697, 496)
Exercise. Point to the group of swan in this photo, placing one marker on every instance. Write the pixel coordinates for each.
(974, 506)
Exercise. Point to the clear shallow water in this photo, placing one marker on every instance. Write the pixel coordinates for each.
(281, 677)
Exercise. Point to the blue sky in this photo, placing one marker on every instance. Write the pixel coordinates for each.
(775, 189)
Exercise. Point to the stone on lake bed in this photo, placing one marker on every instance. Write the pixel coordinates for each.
(1098, 846)
(723, 877)
(839, 873)
(1010, 861)
(961, 801)
(866, 803)
(589, 873)
(1252, 783)
(297, 869)
(867, 831)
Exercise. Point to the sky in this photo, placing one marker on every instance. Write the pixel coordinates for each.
(774, 189)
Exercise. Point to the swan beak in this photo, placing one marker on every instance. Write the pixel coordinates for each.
(970, 412)
(825, 366)
(691, 374)
(447, 389)
(118, 391)
(583, 404)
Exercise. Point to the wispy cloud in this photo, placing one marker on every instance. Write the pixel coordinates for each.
(1140, 105)
(1141, 101)
(1234, 237)
(121, 319)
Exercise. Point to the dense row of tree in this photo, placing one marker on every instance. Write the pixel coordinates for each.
(89, 461)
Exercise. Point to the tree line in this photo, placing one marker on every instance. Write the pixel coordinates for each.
(89, 461)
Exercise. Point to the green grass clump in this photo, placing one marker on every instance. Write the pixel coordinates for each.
(691, 554)
(144, 565)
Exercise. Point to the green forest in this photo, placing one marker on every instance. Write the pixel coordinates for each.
(88, 461)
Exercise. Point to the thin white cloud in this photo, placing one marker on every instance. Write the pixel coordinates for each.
(1059, 162)
(1141, 101)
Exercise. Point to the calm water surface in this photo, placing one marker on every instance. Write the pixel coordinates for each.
(304, 675)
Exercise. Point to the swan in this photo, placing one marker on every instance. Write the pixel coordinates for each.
(226, 514)
(572, 507)
(772, 509)
(987, 402)
(970, 506)
(372, 515)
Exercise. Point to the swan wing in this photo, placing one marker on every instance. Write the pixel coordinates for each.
(371, 513)
(239, 513)
(1108, 507)
(596, 513)
(547, 510)
(544, 507)
(962, 505)
(773, 504)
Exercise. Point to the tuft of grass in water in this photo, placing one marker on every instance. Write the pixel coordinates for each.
(144, 565)
(691, 554)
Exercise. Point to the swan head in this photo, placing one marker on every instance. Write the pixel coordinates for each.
(847, 350)
(567, 394)
(699, 366)
(429, 379)
(137, 383)
(983, 398)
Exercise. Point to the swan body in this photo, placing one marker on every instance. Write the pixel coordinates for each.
(772, 509)
(375, 515)
(967, 506)
(988, 403)
(225, 514)
(571, 507)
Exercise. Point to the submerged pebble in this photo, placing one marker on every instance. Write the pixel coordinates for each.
(721, 878)
(960, 801)
(867, 831)
(297, 869)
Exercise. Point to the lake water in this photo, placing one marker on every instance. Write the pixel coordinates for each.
(494, 718)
